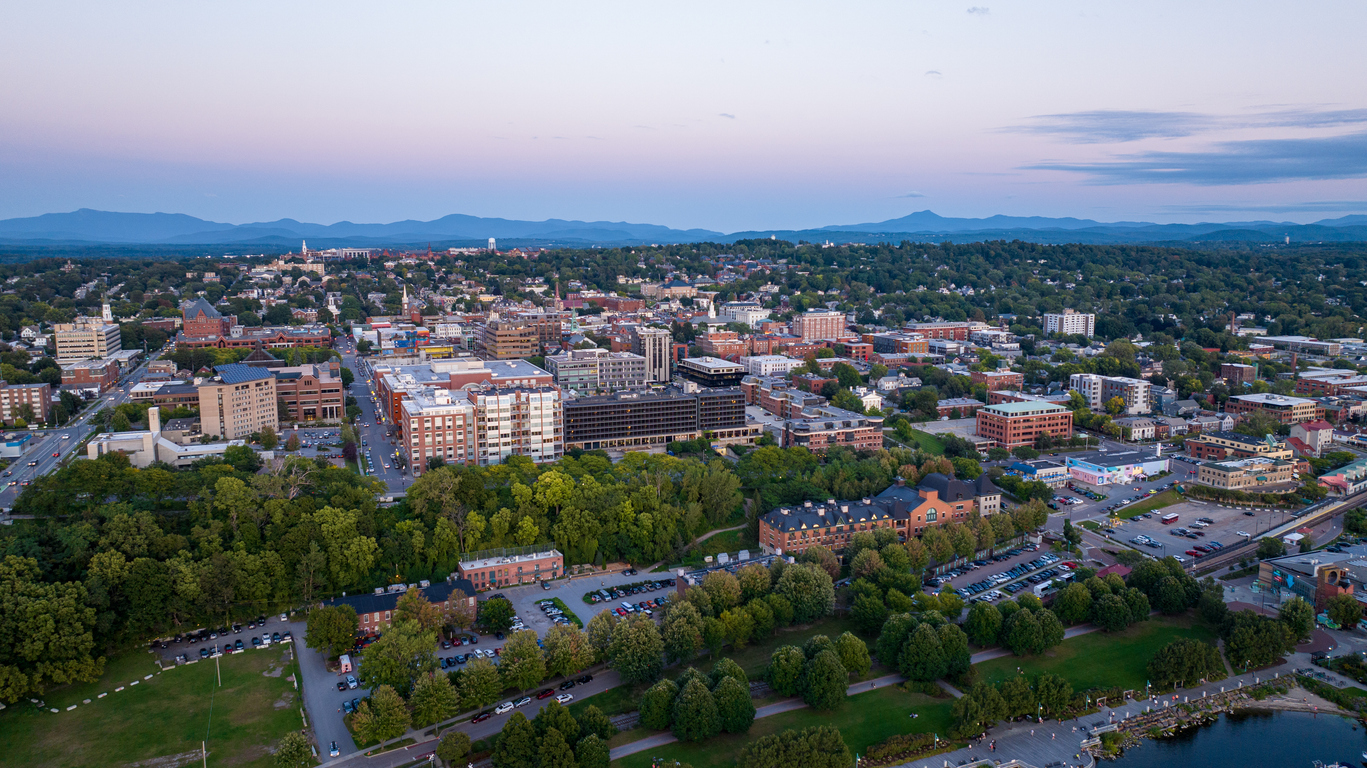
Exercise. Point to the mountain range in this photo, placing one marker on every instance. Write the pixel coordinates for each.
(91, 227)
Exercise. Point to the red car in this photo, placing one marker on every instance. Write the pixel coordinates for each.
(546, 694)
(55, 455)
(482, 716)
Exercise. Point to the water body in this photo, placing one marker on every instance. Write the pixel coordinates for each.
(1253, 740)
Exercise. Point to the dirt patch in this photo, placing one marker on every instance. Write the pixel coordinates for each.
(284, 701)
(167, 761)
(274, 671)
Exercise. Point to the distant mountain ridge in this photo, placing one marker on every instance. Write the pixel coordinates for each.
(87, 226)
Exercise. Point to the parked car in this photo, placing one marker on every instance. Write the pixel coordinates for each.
(565, 698)
(506, 706)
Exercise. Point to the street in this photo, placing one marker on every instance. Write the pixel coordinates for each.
(47, 442)
(373, 428)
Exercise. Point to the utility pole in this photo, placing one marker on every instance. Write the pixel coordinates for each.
(218, 669)
(204, 753)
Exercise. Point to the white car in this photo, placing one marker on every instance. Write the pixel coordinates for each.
(506, 706)
(1242, 533)
(565, 698)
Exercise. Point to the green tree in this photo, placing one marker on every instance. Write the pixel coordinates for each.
(599, 631)
(815, 747)
(554, 716)
(784, 673)
(592, 720)
(481, 683)
(722, 589)
(381, 717)
(331, 630)
(724, 668)
(292, 442)
(268, 438)
(412, 606)
(454, 747)
(637, 651)
(868, 613)
(1299, 617)
(496, 614)
(1022, 634)
(517, 744)
(592, 752)
(922, 658)
(1111, 613)
(824, 681)
(1270, 547)
(682, 633)
(567, 650)
(983, 624)
(754, 581)
(657, 705)
(1185, 661)
(1073, 605)
(735, 710)
(398, 658)
(521, 663)
(809, 590)
(293, 751)
(1344, 610)
(954, 647)
(433, 700)
(854, 654)
(695, 713)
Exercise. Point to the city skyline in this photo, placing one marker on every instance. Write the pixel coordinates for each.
(712, 116)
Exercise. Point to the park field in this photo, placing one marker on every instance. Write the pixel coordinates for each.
(1099, 659)
(864, 719)
(162, 717)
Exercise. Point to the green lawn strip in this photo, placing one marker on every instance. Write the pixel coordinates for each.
(928, 442)
(1099, 659)
(167, 715)
(626, 737)
(568, 613)
(726, 541)
(863, 720)
(400, 744)
(1157, 501)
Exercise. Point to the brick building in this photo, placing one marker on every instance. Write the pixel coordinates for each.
(819, 324)
(1218, 446)
(994, 380)
(509, 339)
(374, 612)
(94, 376)
(819, 428)
(1283, 408)
(310, 393)
(13, 397)
(1011, 425)
(238, 402)
(492, 569)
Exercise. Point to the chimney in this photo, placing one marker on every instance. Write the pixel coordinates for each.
(845, 508)
(807, 504)
(154, 420)
(901, 481)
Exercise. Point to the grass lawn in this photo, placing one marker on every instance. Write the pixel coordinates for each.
(865, 719)
(1100, 660)
(571, 615)
(928, 442)
(167, 715)
(1157, 501)
(726, 541)
(613, 701)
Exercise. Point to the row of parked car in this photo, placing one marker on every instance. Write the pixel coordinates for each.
(451, 662)
(645, 606)
(1020, 571)
(945, 577)
(264, 640)
(508, 706)
(617, 593)
(553, 612)
(1128, 501)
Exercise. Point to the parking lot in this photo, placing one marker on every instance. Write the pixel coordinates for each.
(1228, 526)
(1017, 571)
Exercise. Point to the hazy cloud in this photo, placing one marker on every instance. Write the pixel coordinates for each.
(1233, 162)
(1318, 206)
(933, 72)
(1106, 126)
(979, 10)
(910, 194)
(728, 117)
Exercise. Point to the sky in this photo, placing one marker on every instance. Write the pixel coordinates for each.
(719, 115)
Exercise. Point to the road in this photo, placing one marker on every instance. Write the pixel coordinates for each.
(379, 436)
(45, 443)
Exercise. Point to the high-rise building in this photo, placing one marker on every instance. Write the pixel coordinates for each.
(83, 341)
(819, 324)
(13, 398)
(1098, 390)
(1069, 323)
(1011, 425)
(588, 370)
(653, 345)
(482, 426)
(239, 401)
(508, 339)
(642, 420)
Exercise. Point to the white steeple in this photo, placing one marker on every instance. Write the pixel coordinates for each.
(304, 247)
(108, 313)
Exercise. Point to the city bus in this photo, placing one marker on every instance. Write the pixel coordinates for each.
(1169, 518)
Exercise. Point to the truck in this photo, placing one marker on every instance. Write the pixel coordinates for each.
(1169, 518)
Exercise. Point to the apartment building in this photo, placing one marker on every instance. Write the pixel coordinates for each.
(998, 379)
(819, 324)
(394, 382)
(937, 500)
(1098, 390)
(1069, 323)
(310, 393)
(1218, 446)
(953, 331)
(94, 377)
(482, 425)
(822, 427)
(590, 370)
(724, 344)
(654, 345)
(1254, 474)
(238, 402)
(86, 341)
(509, 339)
(1011, 425)
(13, 398)
(770, 365)
(1238, 374)
(1284, 408)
